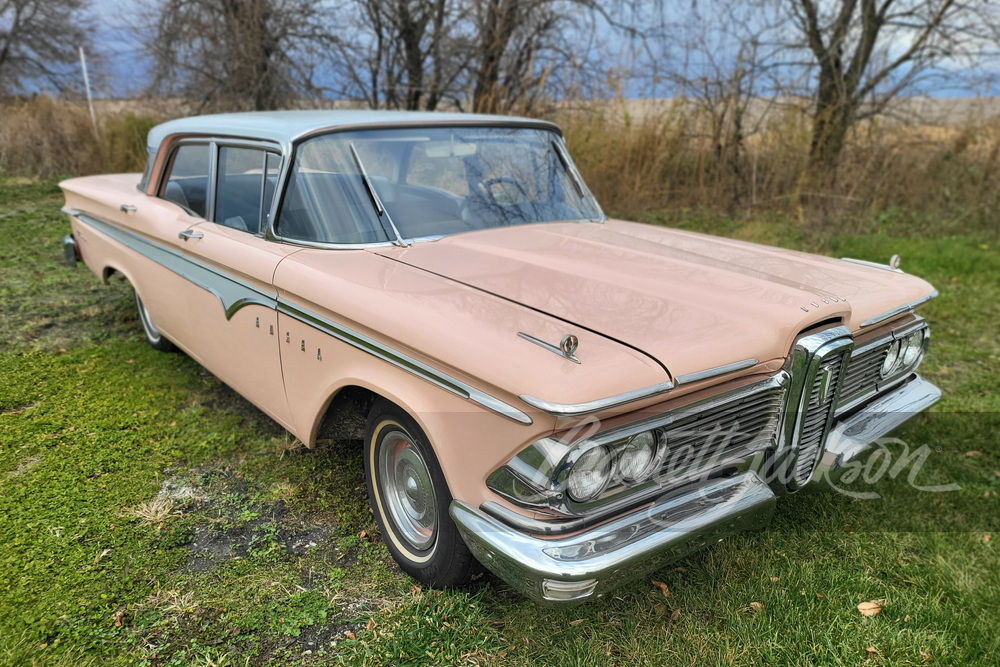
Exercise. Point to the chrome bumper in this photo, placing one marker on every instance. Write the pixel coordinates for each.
(588, 564)
(852, 437)
(71, 253)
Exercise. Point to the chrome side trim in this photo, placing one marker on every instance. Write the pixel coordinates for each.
(235, 294)
(715, 372)
(576, 409)
(400, 360)
(548, 346)
(231, 292)
(889, 314)
(874, 265)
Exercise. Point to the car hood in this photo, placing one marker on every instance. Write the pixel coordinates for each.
(689, 301)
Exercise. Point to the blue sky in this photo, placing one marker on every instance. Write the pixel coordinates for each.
(118, 52)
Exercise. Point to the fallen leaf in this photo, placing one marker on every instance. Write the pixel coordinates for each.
(118, 616)
(820, 596)
(371, 625)
(926, 655)
(662, 586)
(577, 621)
(775, 580)
(871, 650)
(363, 534)
(986, 538)
(973, 454)
(415, 590)
(756, 606)
(995, 472)
(870, 608)
(682, 570)
(674, 616)
(906, 619)
(349, 635)
(937, 499)
(660, 609)
(173, 423)
(130, 361)
(502, 654)
(986, 494)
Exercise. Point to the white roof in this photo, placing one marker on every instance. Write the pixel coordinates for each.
(284, 127)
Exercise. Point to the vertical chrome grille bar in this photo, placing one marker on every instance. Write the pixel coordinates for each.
(818, 369)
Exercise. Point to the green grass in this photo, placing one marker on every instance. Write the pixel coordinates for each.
(260, 552)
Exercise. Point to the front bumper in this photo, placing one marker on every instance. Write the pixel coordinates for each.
(853, 436)
(590, 563)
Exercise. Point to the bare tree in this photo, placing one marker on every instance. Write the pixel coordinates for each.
(238, 54)
(521, 47)
(402, 54)
(38, 42)
(866, 52)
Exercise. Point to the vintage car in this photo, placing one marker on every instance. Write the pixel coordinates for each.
(568, 400)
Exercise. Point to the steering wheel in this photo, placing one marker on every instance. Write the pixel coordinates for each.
(504, 179)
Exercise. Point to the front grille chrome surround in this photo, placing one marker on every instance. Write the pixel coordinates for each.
(863, 379)
(722, 432)
(818, 368)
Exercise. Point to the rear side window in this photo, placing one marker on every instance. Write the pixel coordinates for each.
(245, 187)
(187, 180)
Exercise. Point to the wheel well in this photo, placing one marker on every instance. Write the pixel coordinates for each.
(107, 273)
(347, 414)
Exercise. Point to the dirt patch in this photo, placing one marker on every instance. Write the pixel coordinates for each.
(24, 465)
(214, 542)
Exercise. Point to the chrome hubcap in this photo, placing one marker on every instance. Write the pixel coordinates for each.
(408, 490)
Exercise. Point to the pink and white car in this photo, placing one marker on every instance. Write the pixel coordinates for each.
(568, 400)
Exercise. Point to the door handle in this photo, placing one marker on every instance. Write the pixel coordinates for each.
(189, 234)
(127, 208)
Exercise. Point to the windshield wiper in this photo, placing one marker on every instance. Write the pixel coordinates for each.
(574, 176)
(376, 202)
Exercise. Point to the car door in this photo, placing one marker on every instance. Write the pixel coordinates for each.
(156, 227)
(233, 317)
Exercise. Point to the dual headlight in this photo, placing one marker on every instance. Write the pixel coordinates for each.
(634, 461)
(904, 353)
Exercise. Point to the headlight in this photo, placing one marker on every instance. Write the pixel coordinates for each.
(914, 346)
(639, 457)
(590, 474)
(891, 360)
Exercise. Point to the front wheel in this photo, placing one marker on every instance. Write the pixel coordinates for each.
(153, 335)
(410, 500)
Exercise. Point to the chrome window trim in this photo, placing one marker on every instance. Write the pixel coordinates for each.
(296, 141)
(234, 294)
(709, 373)
(577, 409)
(899, 310)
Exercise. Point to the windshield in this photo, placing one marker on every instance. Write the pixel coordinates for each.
(431, 182)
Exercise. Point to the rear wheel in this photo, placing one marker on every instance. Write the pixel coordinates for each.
(410, 500)
(153, 335)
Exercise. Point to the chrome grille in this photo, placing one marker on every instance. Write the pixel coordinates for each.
(816, 415)
(727, 432)
(862, 375)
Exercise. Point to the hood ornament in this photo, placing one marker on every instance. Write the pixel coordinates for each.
(894, 262)
(566, 348)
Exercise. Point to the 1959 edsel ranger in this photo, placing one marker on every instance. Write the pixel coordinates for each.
(569, 400)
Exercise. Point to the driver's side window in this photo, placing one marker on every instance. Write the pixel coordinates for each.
(187, 179)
